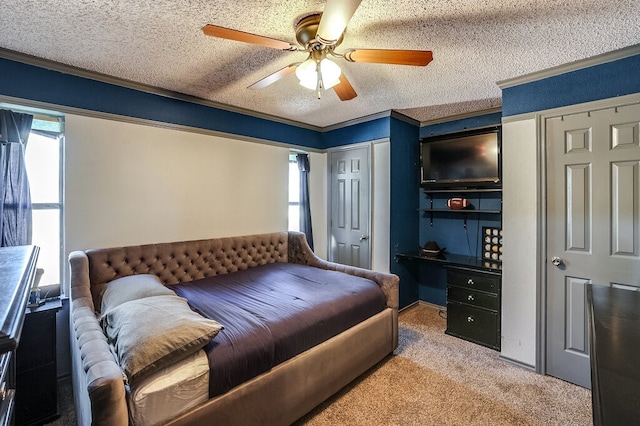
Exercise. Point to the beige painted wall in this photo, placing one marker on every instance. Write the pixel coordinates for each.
(133, 184)
(520, 226)
(380, 201)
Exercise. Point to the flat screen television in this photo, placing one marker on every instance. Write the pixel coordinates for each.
(466, 160)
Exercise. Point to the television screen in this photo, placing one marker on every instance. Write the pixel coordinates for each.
(466, 160)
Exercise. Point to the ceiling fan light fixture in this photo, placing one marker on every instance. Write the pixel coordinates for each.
(335, 17)
(329, 74)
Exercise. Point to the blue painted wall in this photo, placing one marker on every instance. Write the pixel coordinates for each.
(405, 160)
(363, 132)
(617, 78)
(458, 233)
(39, 84)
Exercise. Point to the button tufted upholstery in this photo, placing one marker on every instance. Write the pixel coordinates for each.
(180, 262)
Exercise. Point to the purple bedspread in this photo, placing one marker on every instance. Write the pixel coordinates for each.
(274, 312)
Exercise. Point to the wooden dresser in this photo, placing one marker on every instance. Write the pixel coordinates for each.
(17, 272)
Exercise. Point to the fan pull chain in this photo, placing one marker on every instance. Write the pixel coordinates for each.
(319, 85)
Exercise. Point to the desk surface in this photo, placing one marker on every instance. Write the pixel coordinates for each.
(455, 260)
(17, 268)
(615, 354)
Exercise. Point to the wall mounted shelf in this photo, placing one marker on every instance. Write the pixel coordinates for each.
(465, 211)
(438, 209)
(460, 190)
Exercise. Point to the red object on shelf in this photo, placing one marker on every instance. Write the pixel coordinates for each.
(457, 203)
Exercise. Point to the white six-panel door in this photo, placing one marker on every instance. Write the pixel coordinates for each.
(593, 224)
(349, 209)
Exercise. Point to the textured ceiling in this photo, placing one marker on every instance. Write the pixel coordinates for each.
(475, 43)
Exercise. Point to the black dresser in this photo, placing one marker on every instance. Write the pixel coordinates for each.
(36, 367)
(473, 305)
(17, 272)
(615, 348)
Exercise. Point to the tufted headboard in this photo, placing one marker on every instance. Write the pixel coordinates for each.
(185, 261)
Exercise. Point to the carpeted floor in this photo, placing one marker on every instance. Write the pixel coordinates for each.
(436, 379)
(65, 404)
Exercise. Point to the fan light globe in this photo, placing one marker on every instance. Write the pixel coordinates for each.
(335, 17)
(306, 73)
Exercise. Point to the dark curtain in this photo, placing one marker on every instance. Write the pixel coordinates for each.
(305, 208)
(15, 197)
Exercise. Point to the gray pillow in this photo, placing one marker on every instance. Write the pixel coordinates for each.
(131, 287)
(154, 332)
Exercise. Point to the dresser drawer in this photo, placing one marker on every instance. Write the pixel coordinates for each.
(474, 280)
(473, 324)
(473, 297)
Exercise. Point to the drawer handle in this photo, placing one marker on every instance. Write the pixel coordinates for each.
(470, 282)
(470, 319)
(470, 298)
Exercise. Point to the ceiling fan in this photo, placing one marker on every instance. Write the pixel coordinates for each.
(318, 35)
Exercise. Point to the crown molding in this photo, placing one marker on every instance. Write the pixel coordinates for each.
(356, 121)
(58, 110)
(104, 78)
(390, 113)
(402, 117)
(461, 116)
(571, 66)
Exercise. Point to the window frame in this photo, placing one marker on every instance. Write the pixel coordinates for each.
(293, 160)
(59, 136)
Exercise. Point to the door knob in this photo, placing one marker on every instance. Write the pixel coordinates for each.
(557, 260)
(363, 237)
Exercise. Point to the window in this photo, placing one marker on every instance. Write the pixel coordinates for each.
(294, 193)
(44, 160)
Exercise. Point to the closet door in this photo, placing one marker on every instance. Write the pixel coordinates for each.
(349, 241)
(593, 224)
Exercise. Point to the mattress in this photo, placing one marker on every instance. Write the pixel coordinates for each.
(170, 391)
(274, 312)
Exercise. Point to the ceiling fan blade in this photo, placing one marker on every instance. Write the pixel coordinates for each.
(229, 34)
(272, 78)
(344, 89)
(383, 56)
(335, 18)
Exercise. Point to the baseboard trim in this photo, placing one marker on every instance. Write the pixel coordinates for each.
(423, 303)
(518, 363)
(408, 307)
(433, 305)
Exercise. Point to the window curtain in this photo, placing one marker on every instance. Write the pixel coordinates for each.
(15, 197)
(305, 208)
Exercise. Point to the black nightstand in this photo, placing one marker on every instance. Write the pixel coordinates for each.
(36, 368)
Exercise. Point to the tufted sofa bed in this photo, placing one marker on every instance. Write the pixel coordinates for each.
(278, 394)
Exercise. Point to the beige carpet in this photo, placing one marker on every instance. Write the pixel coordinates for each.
(436, 379)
